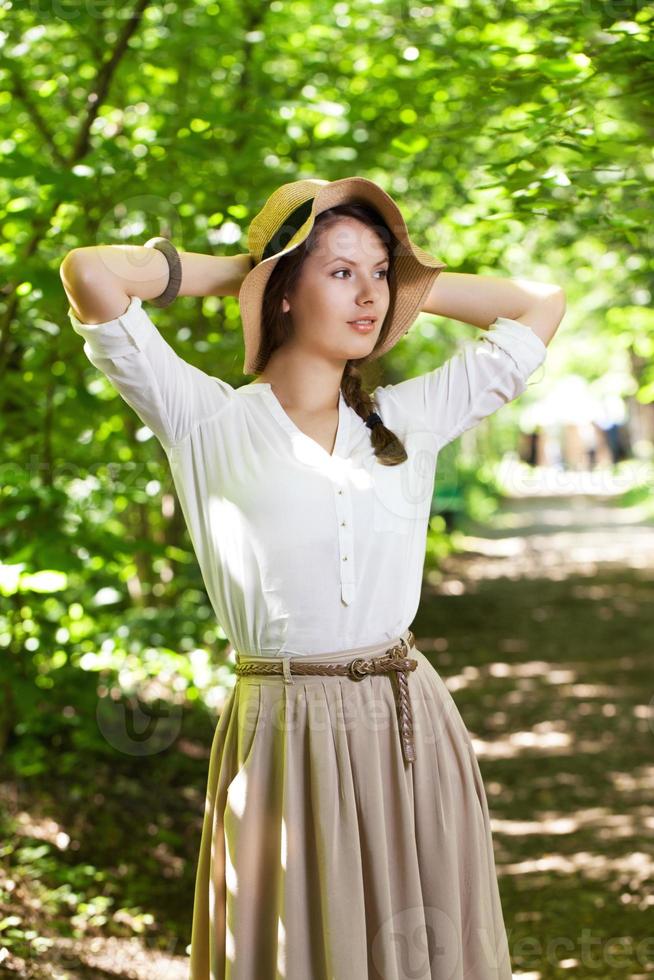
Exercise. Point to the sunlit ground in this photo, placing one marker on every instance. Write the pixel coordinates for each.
(543, 630)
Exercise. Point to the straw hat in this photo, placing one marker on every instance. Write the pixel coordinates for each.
(287, 218)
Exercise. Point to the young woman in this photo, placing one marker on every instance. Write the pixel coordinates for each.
(346, 831)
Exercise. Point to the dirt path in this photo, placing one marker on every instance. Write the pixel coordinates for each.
(555, 536)
(543, 630)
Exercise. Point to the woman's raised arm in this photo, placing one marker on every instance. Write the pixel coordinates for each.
(106, 286)
(99, 280)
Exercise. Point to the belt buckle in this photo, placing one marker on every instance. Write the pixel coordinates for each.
(355, 669)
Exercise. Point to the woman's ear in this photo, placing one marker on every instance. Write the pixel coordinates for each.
(285, 306)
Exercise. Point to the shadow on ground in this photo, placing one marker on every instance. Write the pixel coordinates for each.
(542, 628)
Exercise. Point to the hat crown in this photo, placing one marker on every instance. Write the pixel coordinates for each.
(278, 208)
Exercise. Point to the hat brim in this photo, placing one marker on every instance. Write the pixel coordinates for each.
(415, 269)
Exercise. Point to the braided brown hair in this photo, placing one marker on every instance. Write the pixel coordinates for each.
(277, 326)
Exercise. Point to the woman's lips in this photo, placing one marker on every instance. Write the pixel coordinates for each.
(363, 327)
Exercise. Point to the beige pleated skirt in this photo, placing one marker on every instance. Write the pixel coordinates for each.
(325, 856)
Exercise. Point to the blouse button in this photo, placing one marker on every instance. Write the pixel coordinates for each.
(339, 491)
(344, 557)
(342, 523)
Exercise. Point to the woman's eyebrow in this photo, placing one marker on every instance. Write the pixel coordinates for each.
(342, 258)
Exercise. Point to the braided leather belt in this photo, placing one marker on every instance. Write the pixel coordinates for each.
(391, 661)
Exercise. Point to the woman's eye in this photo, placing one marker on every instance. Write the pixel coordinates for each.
(384, 272)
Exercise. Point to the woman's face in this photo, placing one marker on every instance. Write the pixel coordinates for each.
(344, 278)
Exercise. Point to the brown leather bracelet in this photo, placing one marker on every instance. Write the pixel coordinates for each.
(174, 268)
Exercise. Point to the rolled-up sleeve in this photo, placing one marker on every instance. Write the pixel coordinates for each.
(481, 377)
(167, 393)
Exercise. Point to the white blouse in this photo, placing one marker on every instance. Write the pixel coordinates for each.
(303, 552)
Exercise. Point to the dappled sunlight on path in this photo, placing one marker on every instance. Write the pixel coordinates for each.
(541, 627)
(550, 535)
